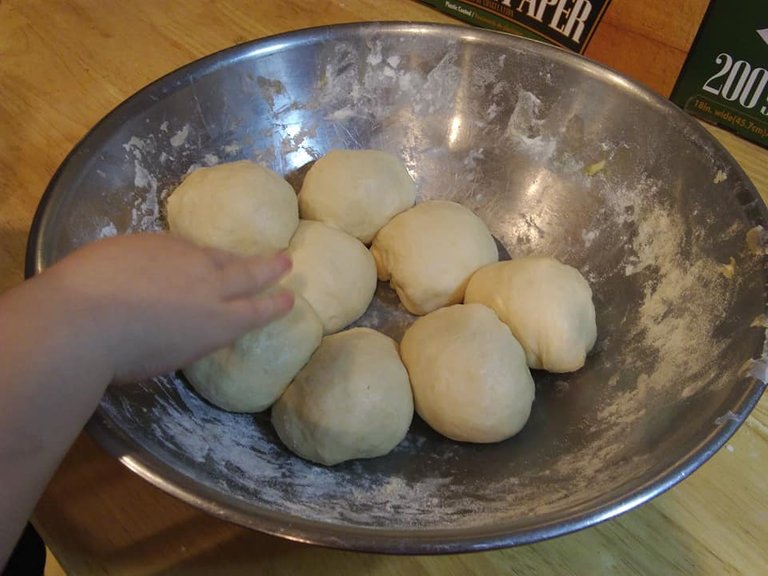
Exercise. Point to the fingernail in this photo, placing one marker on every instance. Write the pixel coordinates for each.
(283, 298)
(284, 257)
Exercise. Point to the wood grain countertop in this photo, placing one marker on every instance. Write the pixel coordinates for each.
(63, 65)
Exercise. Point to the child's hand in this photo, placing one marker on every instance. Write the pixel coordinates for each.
(152, 303)
(122, 309)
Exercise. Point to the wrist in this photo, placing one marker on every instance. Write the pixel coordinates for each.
(66, 325)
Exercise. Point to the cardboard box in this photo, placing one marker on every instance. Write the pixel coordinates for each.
(725, 78)
(647, 40)
(566, 23)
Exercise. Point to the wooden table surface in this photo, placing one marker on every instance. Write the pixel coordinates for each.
(63, 65)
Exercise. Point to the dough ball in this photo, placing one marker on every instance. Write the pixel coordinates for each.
(250, 375)
(241, 207)
(429, 252)
(357, 191)
(547, 305)
(468, 373)
(334, 271)
(351, 400)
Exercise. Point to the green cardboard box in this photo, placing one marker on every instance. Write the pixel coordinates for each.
(566, 23)
(725, 78)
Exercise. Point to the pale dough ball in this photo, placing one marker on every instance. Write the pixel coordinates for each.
(547, 305)
(468, 373)
(429, 252)
(351, 400)
(241, 207)
(250, 375)
(357, 191)
(334, 271)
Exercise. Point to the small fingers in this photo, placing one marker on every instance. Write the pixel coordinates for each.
(221, 257)
(243, 277)
(260, 310)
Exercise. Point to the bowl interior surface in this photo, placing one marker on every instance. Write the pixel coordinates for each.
(509, 128)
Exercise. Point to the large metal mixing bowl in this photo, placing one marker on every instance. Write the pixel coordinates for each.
(517, 131)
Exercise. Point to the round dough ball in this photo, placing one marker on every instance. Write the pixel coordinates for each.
(468, 373)
(250, 374)
(429, 252)
(240, 206)
(334, 271)
(357, 191)
(351, 400)
(547, 305)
